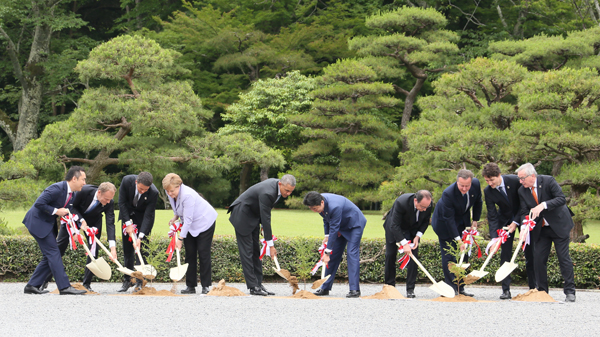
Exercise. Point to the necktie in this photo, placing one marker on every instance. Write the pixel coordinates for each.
(276, 200)
(503, 192)
(466, 197)
(94, 204)
(537, 202)
(136, 199)
(68, 198)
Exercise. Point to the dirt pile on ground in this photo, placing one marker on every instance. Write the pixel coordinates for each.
(470, 279)
(534, 295)
(284, 273)
(303, 294)
(77, 286)
(222, 290)
(294, 284)
(136, 275)
(457, 298)
(388, 293)
(150, 291)
(317, 284)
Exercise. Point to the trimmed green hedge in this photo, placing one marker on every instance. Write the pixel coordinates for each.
(19, 255)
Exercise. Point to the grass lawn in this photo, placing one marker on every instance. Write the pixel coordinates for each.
(285, 222)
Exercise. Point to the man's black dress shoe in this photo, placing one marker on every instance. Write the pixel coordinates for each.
(570, 298)
(189, 290)
(410, 294)
(71, 291)
(88, 287)
(321, 292)
(44, 286)
(257, 291)
(138, 285)
(29, 289)
(464, 293)
(353, 294)
(506, 295)
(126, 285)
(205, 290)
(265, 290)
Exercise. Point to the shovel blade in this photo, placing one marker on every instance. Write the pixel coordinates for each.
(505, 270)
(464, 265)
(100, 268)
(443, 289)
(125, 271)
(146, 270)
(478, 273)
(177, 273)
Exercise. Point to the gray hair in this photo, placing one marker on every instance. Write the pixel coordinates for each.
(465, 174)
(288, 179)
(144, 178)
(106, 187)
(528, 168)
(423, 194)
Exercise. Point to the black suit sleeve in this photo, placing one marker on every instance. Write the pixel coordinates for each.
(554, 191)
(478, 204)
(110, 220)
(124, 191)
(149, 212)
(78, 204)
(265, 204)
(398, 213)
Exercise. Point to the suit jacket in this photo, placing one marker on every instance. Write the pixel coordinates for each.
(507, 211)
(196, 213)
(39, 219)
(451, 215)
(82, 202)
(146, 206)
(339, 215)
(402, 218)
(253, 207)
(558, 215)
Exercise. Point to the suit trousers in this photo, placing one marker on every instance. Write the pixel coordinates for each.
(506, 255)
(51, 263)
(391, 255)
(248, 246)
(198, 249)
(447, 258)
(542, 251)
(129, 255)
(351, 238)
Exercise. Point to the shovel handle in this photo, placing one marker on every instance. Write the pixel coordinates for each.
(521, 239)
(323, 267)
(276, 263)
(75, 230)
(178, 258)
(422, 268)
(108, 253)
(137, 251)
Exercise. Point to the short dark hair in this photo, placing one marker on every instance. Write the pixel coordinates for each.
(491, 170)
(144, 178)
(423, 194)
(313, 198)
(74, 171)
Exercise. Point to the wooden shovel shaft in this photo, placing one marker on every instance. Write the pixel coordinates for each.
(276, 263)
(521, 239)
(108, 253)
(178, 258)
(462, 255)
(494, 249)
(422, 268)
(323, 269)
(137, 251)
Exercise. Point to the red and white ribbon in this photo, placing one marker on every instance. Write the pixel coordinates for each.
(91, 233)
(320, 263)
(404, 259)
(72, 230)
(467, 235)
(135, 230)
(263, 250)
(174, 228)
(529, 225)
(502, 235)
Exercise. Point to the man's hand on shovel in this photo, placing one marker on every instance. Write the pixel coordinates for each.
(113, 253)
(273, 252)
(137, 243)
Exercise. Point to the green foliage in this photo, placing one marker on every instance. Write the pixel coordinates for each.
(157, 256)
(459, 273)
(305, 257)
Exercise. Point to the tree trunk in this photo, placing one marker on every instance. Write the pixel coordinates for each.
(577, 231)
(264, 173)
(409, 102)
(245, 177)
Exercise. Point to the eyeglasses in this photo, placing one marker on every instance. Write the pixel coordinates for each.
(525, 177)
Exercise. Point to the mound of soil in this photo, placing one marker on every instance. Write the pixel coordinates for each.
(294, 284)
(150, 291)
(470, 279)
(534, 295)
(78, 287)
(286, 274)
(222, 290)
(388, 293)
(303, 294)
(317, 284)
(457, 298)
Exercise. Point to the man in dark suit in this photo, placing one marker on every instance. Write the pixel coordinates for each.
(406, 222)
(55, 201)
(503, 210)
(452, 215)
(137, 205)
(542, 196)
(251, 209)
(344, 224)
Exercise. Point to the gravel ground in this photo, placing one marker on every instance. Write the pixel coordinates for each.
(110, 314)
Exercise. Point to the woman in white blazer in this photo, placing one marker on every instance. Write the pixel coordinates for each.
(198, 218)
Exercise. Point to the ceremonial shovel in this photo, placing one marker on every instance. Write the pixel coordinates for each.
(120, 268)
(508, 267)
(145, 269)
(441, 288)
(462, 256)
(278, 269)
(177, 273)
(480, 273)
(98, 266)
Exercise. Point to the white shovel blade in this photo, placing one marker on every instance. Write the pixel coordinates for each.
(125, 271)
(278, 271)
(146, 270)
(443, 289)
(505, 270)
(177, 273)
(100, 268)
(464, 265)
(478, 273)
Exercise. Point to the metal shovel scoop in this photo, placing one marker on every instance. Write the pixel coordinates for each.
(508, 267)
(278, 269)
(480, 273)
(120, 268)
(462, 256)
(441, 287)
(99, 267)
(177, 273)
(145, 269)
